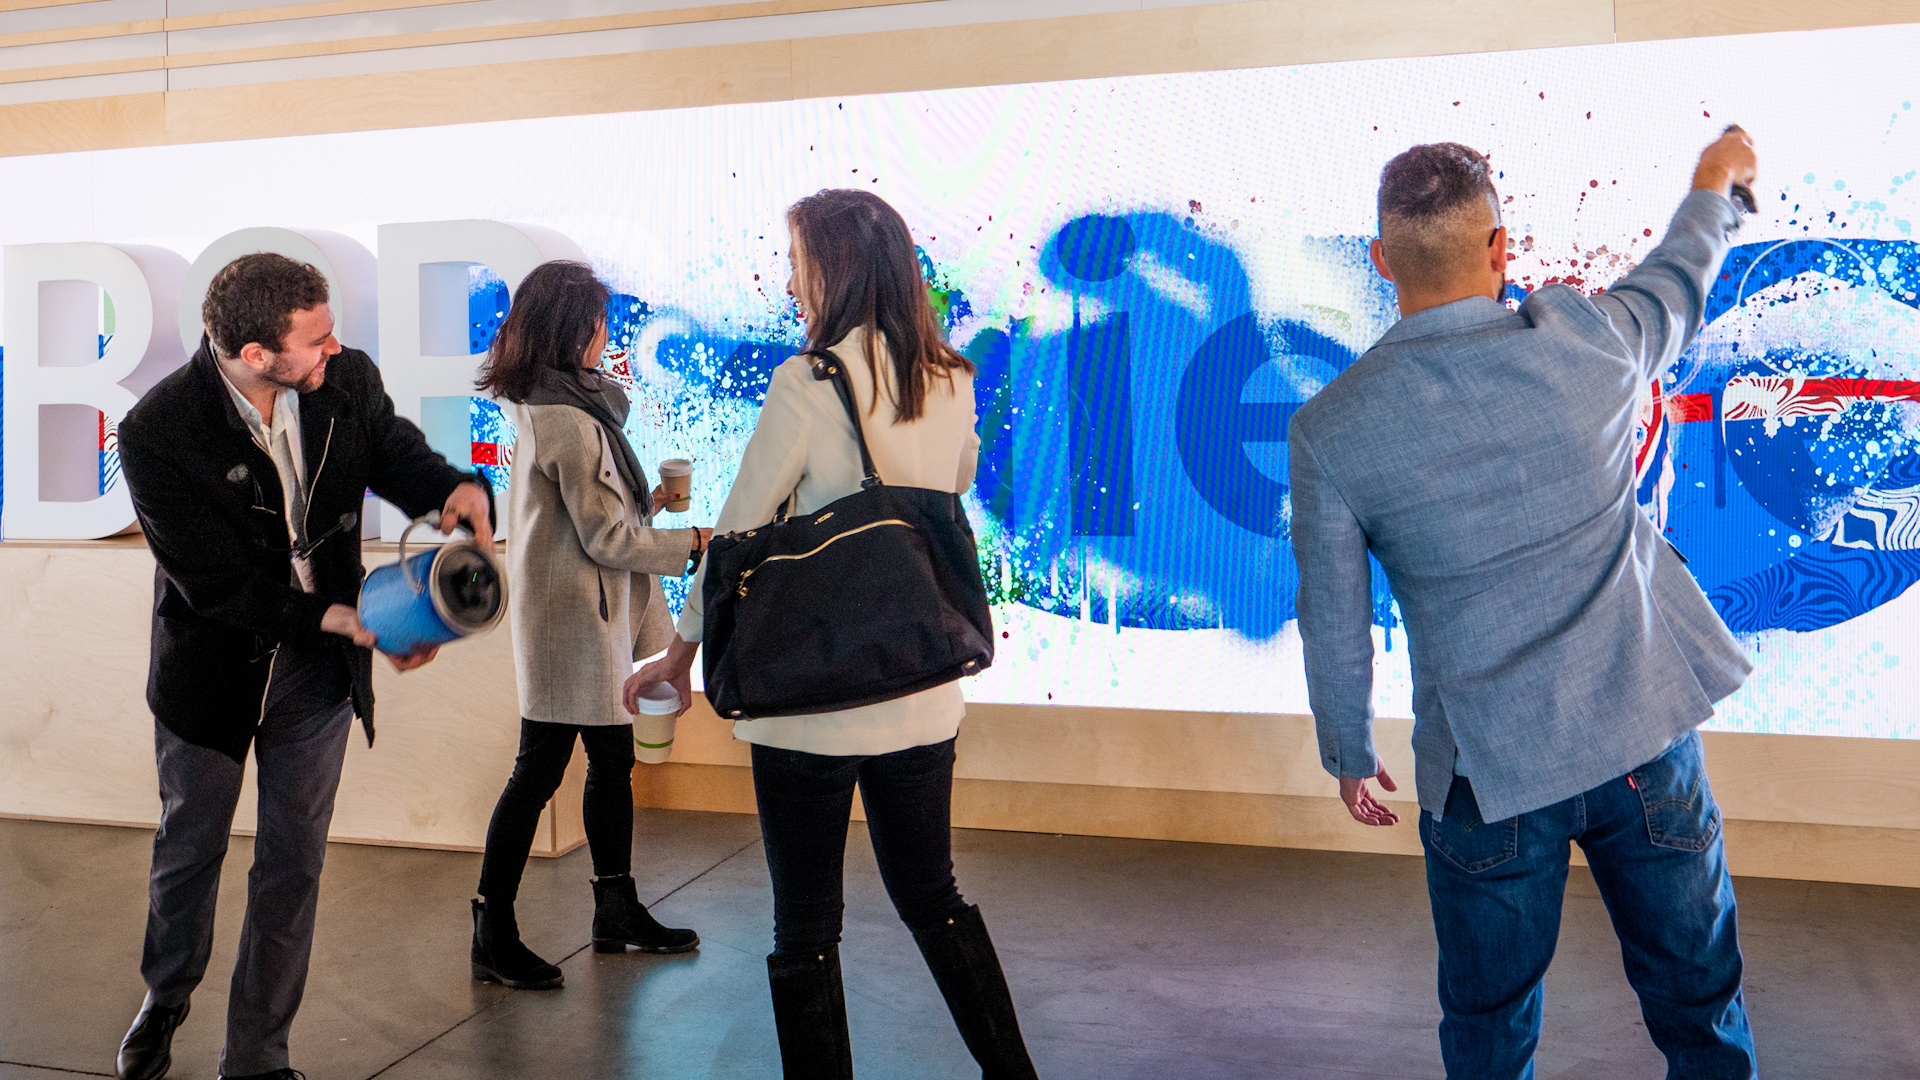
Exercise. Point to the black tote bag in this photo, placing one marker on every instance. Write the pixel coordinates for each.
(873, 597)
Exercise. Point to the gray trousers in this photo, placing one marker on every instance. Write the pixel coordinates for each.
(299, 747)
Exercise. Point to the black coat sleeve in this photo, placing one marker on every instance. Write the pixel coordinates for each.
(208, 559)
(403, 469)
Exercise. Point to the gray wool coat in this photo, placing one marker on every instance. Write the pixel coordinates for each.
(1485, 458)
(586, 598)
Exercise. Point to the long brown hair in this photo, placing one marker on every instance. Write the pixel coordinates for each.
(860, 260)
(555, 313)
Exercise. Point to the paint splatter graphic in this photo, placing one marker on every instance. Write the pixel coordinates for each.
(1149, 422)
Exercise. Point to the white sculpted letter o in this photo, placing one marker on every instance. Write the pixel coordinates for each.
(352, 280)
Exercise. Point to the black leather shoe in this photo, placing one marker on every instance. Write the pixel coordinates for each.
(277, 1074)
(147, 1051)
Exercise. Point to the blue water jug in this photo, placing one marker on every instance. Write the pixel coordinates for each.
(433, 597)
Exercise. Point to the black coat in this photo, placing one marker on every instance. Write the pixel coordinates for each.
(214, 514)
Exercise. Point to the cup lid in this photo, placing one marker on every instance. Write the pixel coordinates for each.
(659, 698)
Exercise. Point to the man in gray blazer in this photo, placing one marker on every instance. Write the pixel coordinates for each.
(1562, 654)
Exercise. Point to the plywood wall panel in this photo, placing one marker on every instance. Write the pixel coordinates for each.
(1862, 856)
(1868, 783)
(1859, 855)
(100, 123)
(1655, 20)
(661, 80)
(1138, 41)
(76, 739)
(1217, 36)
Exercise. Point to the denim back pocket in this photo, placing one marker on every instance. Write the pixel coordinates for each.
(1468, 842)
(1681, 813)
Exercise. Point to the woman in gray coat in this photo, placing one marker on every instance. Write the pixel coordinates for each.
(586, 604)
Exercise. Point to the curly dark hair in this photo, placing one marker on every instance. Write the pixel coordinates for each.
(555, 313)
(253, 298)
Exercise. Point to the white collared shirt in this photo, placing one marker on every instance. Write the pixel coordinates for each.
(286, 419)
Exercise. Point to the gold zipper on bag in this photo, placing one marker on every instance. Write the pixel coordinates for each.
(741, 591)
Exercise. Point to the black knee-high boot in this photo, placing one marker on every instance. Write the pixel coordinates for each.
(810, 1012)
(967, 970)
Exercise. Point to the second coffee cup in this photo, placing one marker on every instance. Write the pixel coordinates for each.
(676, 478)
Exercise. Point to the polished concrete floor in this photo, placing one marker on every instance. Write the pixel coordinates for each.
(1128, 959)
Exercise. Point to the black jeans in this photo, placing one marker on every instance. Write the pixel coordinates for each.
(805, 800)
(607, 806)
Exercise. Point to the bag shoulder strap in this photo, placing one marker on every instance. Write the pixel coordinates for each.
(828, 368)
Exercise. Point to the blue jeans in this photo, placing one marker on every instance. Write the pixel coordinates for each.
(1652, 839)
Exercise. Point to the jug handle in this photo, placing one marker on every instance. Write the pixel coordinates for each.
(406, 571)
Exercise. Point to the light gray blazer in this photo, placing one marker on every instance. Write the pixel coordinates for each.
(585, 599)
(1485, 458)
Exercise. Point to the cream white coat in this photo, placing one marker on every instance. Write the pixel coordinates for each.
(804, 446)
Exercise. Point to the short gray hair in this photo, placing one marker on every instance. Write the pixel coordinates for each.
(1429, 211)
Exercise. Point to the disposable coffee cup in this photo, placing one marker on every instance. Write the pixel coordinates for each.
(653, 725)
(676, 477)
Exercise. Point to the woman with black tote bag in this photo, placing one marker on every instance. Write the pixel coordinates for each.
(870, 331)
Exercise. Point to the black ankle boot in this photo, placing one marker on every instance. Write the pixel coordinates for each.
(810, 1013)
(967, 970)
(499, 956)
(620, 920)
(147, 1051)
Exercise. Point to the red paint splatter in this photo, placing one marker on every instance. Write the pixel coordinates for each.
(1593, 183)
(1646, 232)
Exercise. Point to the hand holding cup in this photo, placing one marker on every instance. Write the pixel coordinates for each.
(676, 480)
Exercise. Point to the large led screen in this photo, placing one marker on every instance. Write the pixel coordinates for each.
(1152, 273)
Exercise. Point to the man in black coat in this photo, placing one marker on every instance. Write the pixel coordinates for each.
(248, 468)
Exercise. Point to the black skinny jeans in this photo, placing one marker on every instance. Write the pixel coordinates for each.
(545, 750)
(804, 803)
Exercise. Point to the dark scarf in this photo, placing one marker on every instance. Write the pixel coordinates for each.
(602, 399)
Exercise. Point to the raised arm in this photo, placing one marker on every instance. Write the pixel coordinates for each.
(1658, 307)
(1335, 603)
